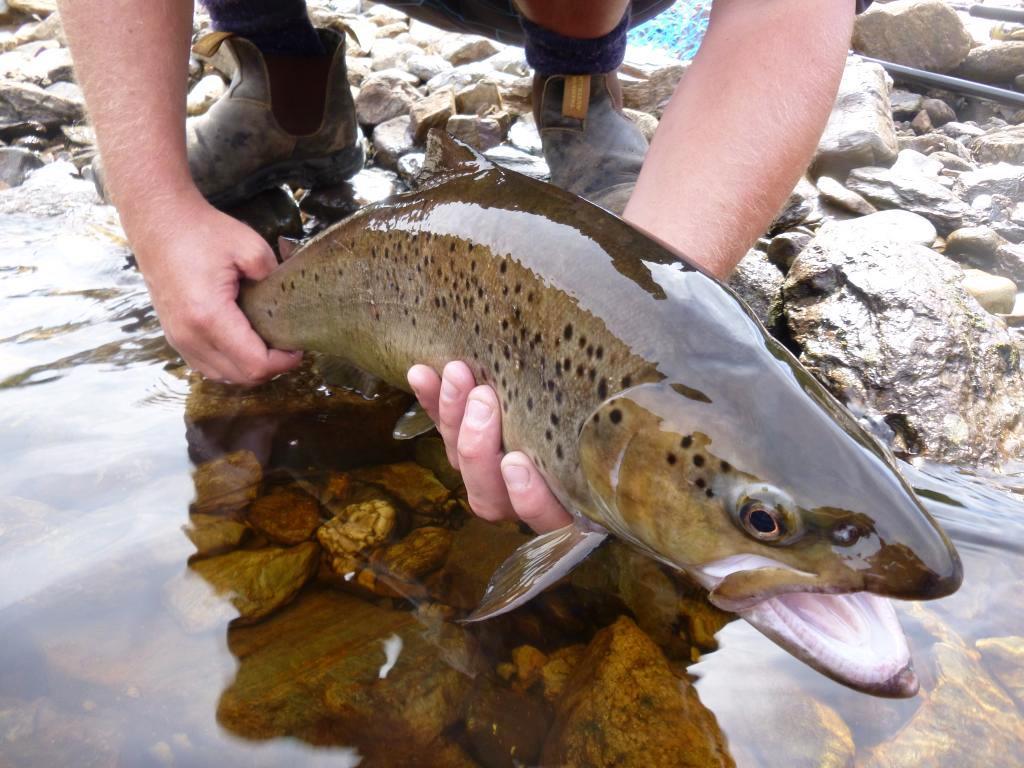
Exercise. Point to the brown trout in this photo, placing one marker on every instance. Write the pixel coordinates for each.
(657, 408)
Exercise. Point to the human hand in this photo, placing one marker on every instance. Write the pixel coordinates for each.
(193, 273)
(499, 486)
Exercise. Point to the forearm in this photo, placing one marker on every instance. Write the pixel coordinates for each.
(742, 126)
(131, 59)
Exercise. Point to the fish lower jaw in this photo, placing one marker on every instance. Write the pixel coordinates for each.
(854, 638)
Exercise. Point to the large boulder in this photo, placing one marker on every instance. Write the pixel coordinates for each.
(860, 130)
(624, 706)
(891, 324)
(1005, 144)
(997, 62)
(927, 34)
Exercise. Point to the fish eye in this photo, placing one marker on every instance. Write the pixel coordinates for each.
(762, 521)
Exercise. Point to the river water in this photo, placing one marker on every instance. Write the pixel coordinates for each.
(101, 665)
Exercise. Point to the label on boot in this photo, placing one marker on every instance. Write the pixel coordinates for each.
(576, 97)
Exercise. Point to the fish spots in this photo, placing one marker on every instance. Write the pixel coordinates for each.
(615, 416)
(686, 442)
(709, 493)
(504, 267)
(559, 452)
(549, 435)
(700, 482)
(602, 388)
(567, 332)
(270, 313)
(599, 352)
(554, 419)
(671, 459)
(529, 403)
(626, 382)
(725, 466)
(698, 460)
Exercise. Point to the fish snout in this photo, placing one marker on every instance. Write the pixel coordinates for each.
(900, 572)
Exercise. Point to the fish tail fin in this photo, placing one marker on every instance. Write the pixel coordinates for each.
(534, 567)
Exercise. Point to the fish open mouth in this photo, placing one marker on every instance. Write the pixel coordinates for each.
(855, 638)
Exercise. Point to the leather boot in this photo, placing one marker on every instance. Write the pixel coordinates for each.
(239, 148)
(592, 148)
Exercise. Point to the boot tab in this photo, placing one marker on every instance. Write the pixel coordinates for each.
(576, 96)
(210, 43)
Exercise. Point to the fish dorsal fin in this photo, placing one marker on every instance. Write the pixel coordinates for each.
(412, 423)
(447, 156)
(534, 567)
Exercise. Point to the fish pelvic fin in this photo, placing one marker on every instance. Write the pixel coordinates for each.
(412, 423)
(534, 567)
(447, 156)
(340, 373)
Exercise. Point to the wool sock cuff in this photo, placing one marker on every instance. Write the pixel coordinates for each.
(276, 27)
(550, 53)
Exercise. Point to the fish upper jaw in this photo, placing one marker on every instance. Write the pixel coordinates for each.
(854, 638)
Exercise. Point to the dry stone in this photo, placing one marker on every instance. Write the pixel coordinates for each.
(998, 62)
(927, 34)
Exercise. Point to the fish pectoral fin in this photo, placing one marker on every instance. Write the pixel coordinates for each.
(340, 373)
(534, 567)
(412, 423)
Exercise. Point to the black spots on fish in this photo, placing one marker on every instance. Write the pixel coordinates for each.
(554, 419)
(341, 272)
(700, 482)
(508, 353)
(582, 342)
(529, 297)
(698, 460)
(293, 285)
(597, 418)
(283, 287)
(567, 365)
(518, 289)
(414, 322)
(504, 267)
(580, 370)
(558, 368)
(487, 308)
(567, 332)
(490, 347)
(671, 459)
(559, 452)
(590, 350)
(480, 293)
(592, 374)
(725, 466)
(476, 329)
(497, 368)
(709, 493)
(602, 388)
(529, 403)
(549, 385)
(472, 265)
(504, 406)
(549, 435)
(302, 273)
(504, 323)
(270, 313)
(686, 442)
(615, 416)
(558, 397)
(451, 247)
(537, 338)
(444, 301)
(626, 382)
(599, 352)
(437, 302)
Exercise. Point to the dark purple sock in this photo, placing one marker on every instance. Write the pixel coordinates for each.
(549, 53)
(280, 27)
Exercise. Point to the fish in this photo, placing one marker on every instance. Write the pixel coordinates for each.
(655, 405)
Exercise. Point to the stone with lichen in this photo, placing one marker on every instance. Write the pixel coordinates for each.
(355, 532)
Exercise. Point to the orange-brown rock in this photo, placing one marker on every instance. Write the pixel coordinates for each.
(285, 515)
(355, 532)
(213, 534)
(624, 706)
(505, 728)
(227, 484)
(559, 668)
(424, 550)
(414, 486)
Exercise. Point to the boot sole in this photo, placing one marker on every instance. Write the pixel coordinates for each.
(319, 171)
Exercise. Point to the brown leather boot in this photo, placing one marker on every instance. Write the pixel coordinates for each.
(593, 149)
(248, 142)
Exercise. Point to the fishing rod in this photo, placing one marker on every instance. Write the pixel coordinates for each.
(958, 84)
(996, 13)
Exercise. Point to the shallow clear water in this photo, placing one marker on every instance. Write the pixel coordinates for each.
(103, 662)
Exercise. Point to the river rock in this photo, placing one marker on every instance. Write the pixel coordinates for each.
(467, 49)
(226, 484)
(204, 94)
(431, 112)
(904, 104)
(860, 130)
(459, 77)
(432, 456)
(286, 515)
(984, 248)
(427, 65)
(482, 133)
(927, 34)
(358, 69)
(912, 191)
(258, 582)
(996, 294)
(958, 130)
(409, 167)
(833, 192)
(351, 535)
(1002, 213)
(934, 142)
(997, 179)
(648, 78)
(316, 672)
(478, 99)
(1004, 657)
(801, 206)
(939, 112)
(997, 62)
(414, 486)
(392, 139)
(784, 247)
(953, 162)
(885, 226)
(966, 719)
(623, 705)
(921, 123)
(392, 54)
(33, 7)
(213, 534)
(15, 165)
(273, 213)
(505, 728)
(331, 203)
(511, 60)
(759, 283)
(1005, 144)
(519, 161)
(23, 105)
(382, 98)
(856, 307)
(423, 551)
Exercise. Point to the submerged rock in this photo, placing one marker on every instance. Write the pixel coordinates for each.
(285, 515)
(623, 705)
(505, 728)
(1004, 657)
(857, 308)
(353, 533)
(258, 582)
(213, 534)
(227, 484)
(413, 485)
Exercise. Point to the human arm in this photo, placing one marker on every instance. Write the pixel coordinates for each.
(735, 137)
(131, 61)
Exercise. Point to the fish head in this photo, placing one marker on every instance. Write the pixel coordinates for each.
(779, 503)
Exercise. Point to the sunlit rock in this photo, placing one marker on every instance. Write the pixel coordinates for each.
(623, 705)
(994, 293)
(927, 34)
(995, 62)
(1003, 145)
(1004, 658)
